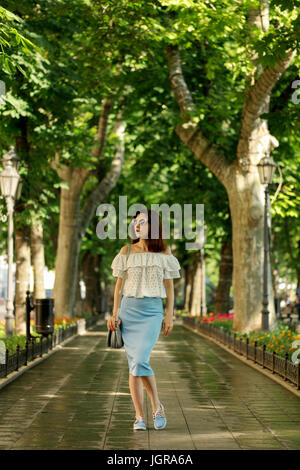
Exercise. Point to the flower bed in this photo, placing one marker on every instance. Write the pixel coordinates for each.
(12, 341)
(279, 341)
(274, 350)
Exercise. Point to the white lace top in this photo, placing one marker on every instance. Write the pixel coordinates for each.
(145, 272)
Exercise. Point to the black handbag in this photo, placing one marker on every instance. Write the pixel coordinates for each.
(114, 338)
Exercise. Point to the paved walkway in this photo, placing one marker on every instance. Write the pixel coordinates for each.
(79, 399)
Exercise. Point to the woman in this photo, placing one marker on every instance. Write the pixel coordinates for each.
(149, 273)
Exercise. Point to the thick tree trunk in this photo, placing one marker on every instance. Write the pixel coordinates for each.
(38, 259)
(240, 177)
(222, 300)
(22, 277)
(66, 267)
(247, 209)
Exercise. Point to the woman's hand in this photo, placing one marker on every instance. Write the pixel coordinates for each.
(111, 323)
(167, 324)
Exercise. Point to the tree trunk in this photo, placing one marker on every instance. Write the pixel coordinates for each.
(239, 176)
(106, 304)
(68, 246)
(73, 223)
(195, 304)
(38, 259)
(222, 300)
(187, 286)
(91, 269)
(100, 306)
(276, 280)
(248, 249)
(79, 300)
(203, 310)
(22, 277)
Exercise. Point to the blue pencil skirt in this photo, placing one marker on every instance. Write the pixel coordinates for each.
(141, 323)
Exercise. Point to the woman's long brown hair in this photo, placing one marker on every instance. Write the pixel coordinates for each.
(155, 245)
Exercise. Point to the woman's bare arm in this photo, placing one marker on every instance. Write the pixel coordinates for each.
(169, 286)
(118, 286)
(117, 296)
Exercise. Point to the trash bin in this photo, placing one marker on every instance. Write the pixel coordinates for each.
(44, 316)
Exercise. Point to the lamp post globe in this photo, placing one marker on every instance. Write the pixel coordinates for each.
(266, 168)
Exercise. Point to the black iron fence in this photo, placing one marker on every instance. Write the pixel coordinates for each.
(34, 349)
(271, 361)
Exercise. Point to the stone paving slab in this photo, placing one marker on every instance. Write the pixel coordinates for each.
(4, 381)
(263, 370)
(79, 398)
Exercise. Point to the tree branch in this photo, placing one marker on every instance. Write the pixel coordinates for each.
(102, 128)
(255, 103)
(109, 181)
(61, 169)
(189, 131)
(179, 86)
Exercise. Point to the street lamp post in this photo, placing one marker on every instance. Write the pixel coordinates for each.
(266, 168)
(11, 186)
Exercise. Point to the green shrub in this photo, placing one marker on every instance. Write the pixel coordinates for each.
(12, 341)
(279, 340)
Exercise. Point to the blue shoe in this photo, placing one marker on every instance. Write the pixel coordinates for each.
(139, 424)
(159, 418)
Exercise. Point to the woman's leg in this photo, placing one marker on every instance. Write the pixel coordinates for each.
(137, 394)
(149, 383)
